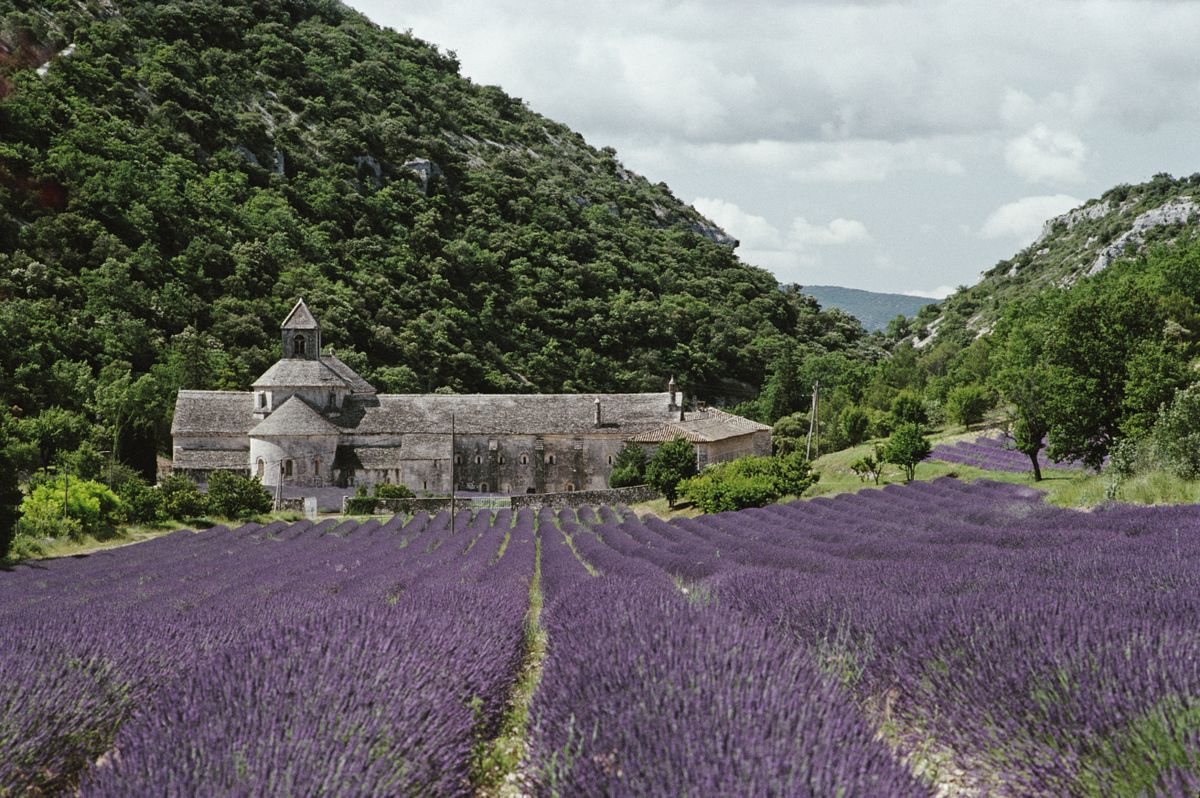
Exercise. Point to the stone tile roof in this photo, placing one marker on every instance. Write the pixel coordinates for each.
(702, 426)
(208, 459)
(357, 384)
(506, 414)
(213, 413)
(293, 417)
(328, 372)
(300, 373)
(301, 318)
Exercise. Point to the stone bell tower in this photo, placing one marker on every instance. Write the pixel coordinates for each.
(301, 334)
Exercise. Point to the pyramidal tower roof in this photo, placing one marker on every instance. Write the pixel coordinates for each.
(301, 318)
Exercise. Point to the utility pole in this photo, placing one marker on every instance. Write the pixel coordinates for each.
(453, 476)
(814, 424)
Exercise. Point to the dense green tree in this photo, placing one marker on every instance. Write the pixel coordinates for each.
(10, 490)
(855, 425)
(908, 408)
(1020, 374)
(673, 462)
(629, 468)
(235, 496)
(789, 434)
(967, 404)
(1176, 434)
(906, 447)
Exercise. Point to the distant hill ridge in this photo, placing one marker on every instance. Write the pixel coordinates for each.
(873, 309)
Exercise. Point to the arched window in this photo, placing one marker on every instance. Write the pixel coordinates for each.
(298, 345)
(261, 469)
(478, 459)
(570, 487)
(550, 459)
(501, 460)
(524, 459)
(483, 487)
(458, 459)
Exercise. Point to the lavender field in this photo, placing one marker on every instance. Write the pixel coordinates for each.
(993, 454)
(943, 638)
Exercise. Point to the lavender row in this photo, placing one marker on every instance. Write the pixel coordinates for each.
(321, 636)
(992, 454)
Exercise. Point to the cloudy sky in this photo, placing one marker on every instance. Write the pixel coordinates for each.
(902, 146)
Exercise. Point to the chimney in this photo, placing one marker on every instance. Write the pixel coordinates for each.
(673, 389)
(597, 411)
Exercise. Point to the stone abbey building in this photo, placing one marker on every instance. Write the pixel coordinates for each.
(309, 420)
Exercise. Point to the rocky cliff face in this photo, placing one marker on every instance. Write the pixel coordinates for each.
(1121, 223)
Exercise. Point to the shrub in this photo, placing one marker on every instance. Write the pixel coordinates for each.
(629, 468)
(386, 490)
(360, 505)
(966, 404)
(91, 509)
(181, 498)
(674, 462)
(748, 482)
(235, 496)
(143, 504)
(906, 447)
(870, 466)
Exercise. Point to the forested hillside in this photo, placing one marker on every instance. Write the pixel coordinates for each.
(1088, 340)
(174, 175)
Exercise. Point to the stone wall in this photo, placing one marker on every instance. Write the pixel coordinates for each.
(290, 504)
(582, 498)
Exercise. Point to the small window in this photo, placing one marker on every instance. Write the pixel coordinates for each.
(317, 466)
(458, 459)
(570, 487)
(550, 459)
(524, 459)
(483, 487)
(261, 468)
(262, 400)
(298, 345)
(501, 460)
(287, 468)
(610, 459)
(478, 459)
(424, 485)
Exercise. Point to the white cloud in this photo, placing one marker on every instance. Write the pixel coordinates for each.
(754, 232)
(1043, 155)
(1023, 218)
(839, 231)
(941, 292)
